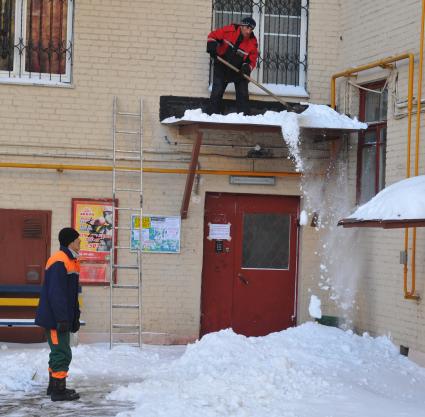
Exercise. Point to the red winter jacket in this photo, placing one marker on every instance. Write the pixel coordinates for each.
(227, 37)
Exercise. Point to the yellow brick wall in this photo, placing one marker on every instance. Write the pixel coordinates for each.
(148, 49)
(373, 31)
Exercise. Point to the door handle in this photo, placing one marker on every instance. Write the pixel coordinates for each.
(243, 279)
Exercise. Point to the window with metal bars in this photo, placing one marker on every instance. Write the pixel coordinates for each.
(281, 33)
(36, 40)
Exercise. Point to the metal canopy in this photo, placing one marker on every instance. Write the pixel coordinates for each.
(187, 127)
(383, 224)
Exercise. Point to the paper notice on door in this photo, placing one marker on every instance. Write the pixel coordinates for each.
(219, 231)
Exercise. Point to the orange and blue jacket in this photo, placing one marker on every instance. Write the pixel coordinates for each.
(59, 293)
(233, 47)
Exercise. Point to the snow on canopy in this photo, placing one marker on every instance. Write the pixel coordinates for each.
(402, 200)
(315, 116)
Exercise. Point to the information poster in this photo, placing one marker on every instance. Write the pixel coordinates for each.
(93, 221)
(160, 234)
(219, 231)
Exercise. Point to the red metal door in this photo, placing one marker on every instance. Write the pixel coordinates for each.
(218, 265)
(25, 246)
(249, 282)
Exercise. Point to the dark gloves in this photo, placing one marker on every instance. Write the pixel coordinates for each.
(76, 323)
(212, 48)
(246, 69)
(62, 326)
(76, 326)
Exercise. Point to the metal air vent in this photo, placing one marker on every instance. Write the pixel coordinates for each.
(32, 228)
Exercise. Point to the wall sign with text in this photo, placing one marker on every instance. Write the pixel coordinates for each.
(160, 234)
(92, 218)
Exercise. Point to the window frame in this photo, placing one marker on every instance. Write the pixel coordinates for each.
(18, 74)
(380, 145)
(288, 90)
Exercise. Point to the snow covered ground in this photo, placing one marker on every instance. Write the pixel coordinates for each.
(307, 371)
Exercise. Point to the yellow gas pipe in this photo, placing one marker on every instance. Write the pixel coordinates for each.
(380, 63)
(411, 294)
(61, 167)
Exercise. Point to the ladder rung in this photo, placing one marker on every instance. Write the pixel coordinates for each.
(125, 326)
(127, 132)
(124, 151)
(126, 266)
(127, 286)
(123, 247)
(129, 189)
(122, 228)
(129, 158)
(125, 305)
(129, 114)
(126, 344)
(127, 170)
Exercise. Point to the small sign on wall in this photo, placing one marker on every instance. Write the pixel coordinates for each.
(160, 234)
(219, 231)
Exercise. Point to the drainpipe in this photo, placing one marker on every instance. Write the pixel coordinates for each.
(411, 294)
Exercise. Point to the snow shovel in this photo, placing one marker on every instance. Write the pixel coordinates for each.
(253, 81)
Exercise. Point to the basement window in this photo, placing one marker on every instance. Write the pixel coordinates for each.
(36, 41)
(281, 32)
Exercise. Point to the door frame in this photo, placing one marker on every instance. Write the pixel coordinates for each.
(297, 248)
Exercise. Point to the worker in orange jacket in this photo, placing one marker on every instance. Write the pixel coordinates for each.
(58, 311)
(237, 44)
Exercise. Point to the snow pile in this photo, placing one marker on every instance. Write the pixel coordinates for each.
(315, 116)
(403, 200)
(320, 116)
(314, 307)
(307, 371)
(303, 218)
(26, 369)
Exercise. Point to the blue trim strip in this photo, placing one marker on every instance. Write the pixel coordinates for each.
(30, 289)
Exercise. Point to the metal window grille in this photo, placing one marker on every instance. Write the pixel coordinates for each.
(36, 39)
(281, 33)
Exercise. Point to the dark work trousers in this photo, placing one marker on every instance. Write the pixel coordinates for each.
(221, 78)
(60, 353)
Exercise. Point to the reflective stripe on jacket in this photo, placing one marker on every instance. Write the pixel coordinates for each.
(59, 293)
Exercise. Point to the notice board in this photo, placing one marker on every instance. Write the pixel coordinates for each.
(160, 234)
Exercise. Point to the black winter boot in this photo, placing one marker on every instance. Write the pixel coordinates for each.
(50, 386)
(60, 393)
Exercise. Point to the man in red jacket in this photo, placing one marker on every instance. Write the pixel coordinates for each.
(236, 44)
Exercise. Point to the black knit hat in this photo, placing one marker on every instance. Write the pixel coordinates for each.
(248, 21)
(67, 235)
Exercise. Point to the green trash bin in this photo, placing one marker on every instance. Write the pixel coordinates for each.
(331, 321)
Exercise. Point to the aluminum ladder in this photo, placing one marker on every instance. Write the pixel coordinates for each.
(127, 200)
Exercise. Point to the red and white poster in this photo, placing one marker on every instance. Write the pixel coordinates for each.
(92, 218)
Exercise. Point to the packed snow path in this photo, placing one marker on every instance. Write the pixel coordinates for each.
(307, 371)
(95, 372)
(35, 403)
